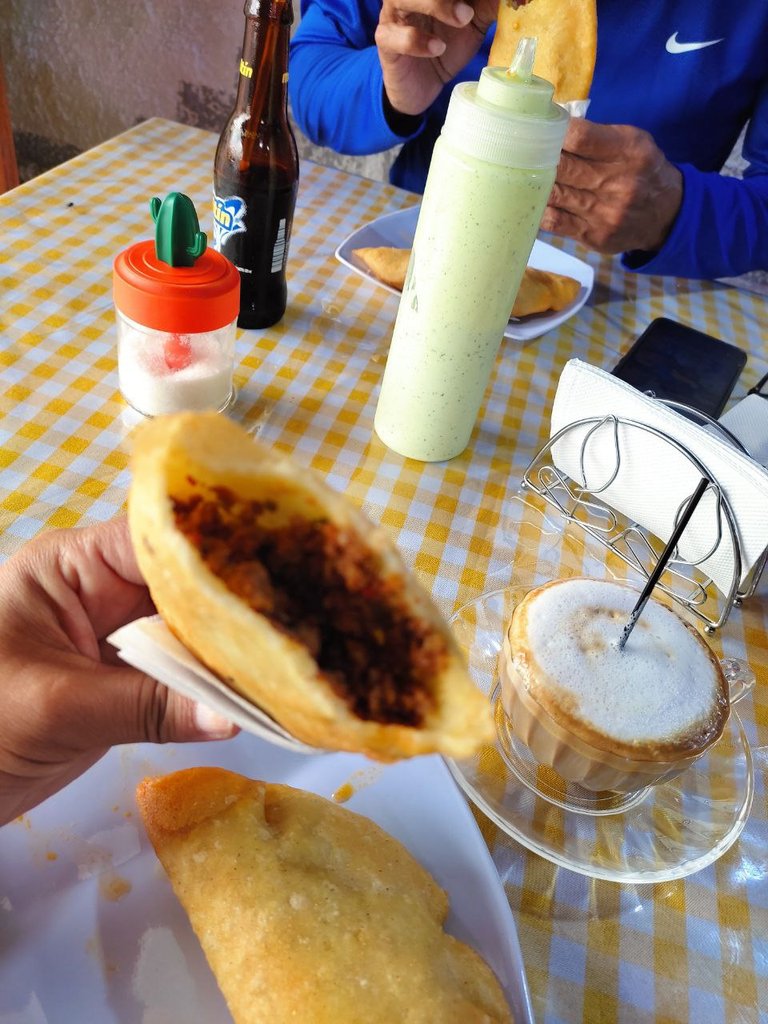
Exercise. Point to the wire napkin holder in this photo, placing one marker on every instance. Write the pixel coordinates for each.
(579, 502)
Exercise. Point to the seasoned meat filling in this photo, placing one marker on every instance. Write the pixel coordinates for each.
(320, 585)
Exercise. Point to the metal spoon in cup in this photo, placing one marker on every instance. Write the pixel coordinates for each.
(663, 558)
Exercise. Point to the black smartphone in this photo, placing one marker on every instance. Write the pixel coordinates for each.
(684, 365)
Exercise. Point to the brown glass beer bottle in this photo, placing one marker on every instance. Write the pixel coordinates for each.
(256, 170)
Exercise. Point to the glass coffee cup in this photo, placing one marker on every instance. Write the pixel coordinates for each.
(602, 717)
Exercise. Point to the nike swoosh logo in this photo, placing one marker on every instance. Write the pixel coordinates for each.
(674, 47)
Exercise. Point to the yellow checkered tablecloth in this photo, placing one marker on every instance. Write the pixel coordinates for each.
(595, 951)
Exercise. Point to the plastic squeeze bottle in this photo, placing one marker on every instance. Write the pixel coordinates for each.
(491, 174)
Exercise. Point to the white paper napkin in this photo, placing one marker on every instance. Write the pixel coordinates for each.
(748, 421)
(149, 646)
(576, 108)
(654, 480)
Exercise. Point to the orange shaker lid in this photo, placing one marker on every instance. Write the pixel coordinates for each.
(176, 283)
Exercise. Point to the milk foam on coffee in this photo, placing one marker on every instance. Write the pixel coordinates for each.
(661, 686)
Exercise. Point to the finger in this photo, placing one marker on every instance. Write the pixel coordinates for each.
(40, 597)
(156, 714)
(112, 540)
(580, 202)
(576, 172)
(449, 12)
(486, 12)
(128, 706)
(592, 141)
(107, 543)
(563, 223)
(407, 41)
(99, 566)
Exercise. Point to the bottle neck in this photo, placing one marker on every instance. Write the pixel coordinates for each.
(263, 74)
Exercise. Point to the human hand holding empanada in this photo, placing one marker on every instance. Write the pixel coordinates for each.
(422, 45)
(66, 697)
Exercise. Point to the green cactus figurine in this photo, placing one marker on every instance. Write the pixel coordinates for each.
(178, 238)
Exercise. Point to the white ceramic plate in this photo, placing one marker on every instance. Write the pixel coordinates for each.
(397, 230)
(90, 929)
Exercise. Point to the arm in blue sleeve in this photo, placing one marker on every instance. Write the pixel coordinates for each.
(335, 83)
(720, 231)
(722, 227)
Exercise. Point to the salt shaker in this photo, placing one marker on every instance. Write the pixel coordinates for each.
(491, 173)
(176, 304)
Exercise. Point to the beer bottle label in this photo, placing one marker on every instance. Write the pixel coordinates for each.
(228, 218)
(278, 252)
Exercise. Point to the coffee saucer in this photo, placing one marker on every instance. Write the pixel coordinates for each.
(655, 834)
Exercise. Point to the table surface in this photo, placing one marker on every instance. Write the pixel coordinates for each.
(695, 949)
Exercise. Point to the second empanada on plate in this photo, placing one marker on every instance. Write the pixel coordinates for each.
(539, 292)
(309, 912)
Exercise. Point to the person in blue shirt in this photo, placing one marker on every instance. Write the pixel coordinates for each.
(675, 83)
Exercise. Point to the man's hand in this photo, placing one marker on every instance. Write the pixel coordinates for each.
(423, 44)
(66, 697)
(615, 190)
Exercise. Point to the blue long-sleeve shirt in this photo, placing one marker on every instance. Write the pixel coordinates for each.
(694, 102)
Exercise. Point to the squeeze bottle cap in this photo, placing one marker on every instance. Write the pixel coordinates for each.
(508, 117)
(176, 283)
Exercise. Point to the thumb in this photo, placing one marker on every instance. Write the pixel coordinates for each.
(135, 708)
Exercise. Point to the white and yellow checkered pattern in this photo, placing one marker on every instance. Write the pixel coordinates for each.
(595, 951)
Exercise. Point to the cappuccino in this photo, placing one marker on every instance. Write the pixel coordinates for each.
(663, 698)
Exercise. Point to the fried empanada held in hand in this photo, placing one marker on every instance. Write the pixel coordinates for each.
(290, 595)
(566, 42)
(309, 912)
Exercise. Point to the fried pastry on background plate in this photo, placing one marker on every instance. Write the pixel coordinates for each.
(309, 912)
(386, 263)
(286, 591)
(540, 290)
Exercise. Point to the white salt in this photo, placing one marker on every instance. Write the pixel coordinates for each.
(153, 387)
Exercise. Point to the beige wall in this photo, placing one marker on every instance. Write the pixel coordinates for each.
(80, 71)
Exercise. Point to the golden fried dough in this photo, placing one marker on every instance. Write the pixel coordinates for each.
(385, 263)
(566, 42)
(285, 590)
(309, 912)
(540, 290)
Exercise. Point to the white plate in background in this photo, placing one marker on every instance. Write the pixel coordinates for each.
(397, 230)
(90, 929)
